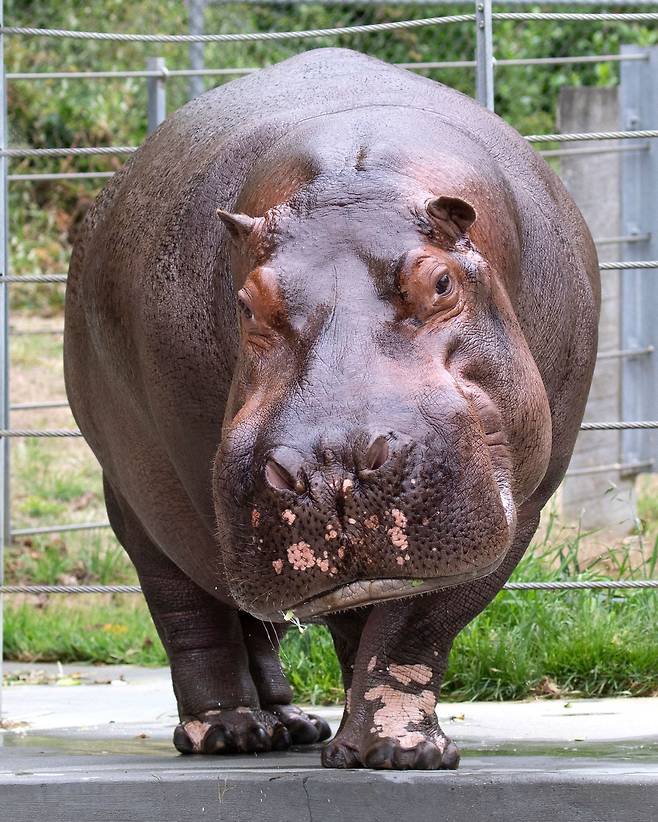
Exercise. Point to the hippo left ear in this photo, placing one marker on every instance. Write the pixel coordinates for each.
(240, 226)
(455, 216)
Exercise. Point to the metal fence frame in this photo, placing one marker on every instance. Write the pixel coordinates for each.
(157, 75)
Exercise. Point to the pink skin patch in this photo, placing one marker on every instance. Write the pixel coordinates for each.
(406, 674)
(288, 516)
(372, 522)
(331, 532)
(399, 712)
(398, 538)
(372, 664)
(255, 518)
(399, 518)
(323, 565)
(196, 731)
(278, 566)
(347, 486)
(301, 556)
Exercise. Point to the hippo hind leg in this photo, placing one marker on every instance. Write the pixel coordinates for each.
(211, 657)
(274, 691)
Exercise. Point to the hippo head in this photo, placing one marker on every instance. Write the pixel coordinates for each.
(386, 417)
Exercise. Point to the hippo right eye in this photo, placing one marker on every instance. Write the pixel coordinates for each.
(246, 312)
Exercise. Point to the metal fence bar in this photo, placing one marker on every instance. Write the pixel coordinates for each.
(220, 72)
(584, 17)
(56, 529)
(72, 432)
(157, 113)
(33, 406)
(5, 511)
(615, 467)
(67, 152)
(628, 265)
(557, 585)
(35, 278)
(484, 72)
(591, 135)
(241, 38)
(626, 352)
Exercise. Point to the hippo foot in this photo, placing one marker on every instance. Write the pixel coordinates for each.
(435, 752)
(248, 730)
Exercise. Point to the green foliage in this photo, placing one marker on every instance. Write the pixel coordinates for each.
(529, 643)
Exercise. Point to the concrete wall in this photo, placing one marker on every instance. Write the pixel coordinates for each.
(600, 500)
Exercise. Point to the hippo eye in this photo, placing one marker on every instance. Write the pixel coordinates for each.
(443, 284)
(244, 307)
(246, 312)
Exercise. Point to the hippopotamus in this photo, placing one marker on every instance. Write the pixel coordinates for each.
(330, 334)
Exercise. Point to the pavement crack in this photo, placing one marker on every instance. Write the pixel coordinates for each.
(308, 798)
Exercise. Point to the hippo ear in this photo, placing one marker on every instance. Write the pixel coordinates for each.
(455, 216)
(240, 226)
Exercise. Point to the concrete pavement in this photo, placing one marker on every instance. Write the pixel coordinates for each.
(102, 751)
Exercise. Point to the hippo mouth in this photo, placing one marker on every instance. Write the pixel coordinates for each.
(370, 591)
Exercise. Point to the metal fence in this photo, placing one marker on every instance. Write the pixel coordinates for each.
(634, 140)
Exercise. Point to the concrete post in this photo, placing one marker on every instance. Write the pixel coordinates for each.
(596, 493)
(639, 203)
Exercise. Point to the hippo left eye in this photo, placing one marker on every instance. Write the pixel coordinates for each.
(443, 284)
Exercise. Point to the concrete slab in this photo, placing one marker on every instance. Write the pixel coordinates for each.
(103, 752)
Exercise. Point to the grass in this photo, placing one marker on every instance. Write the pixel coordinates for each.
(525, 644)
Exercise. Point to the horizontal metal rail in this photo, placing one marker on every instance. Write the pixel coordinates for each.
(584, 17)
(45, 432)
(624, 238)
(623, 468)
(34, 406)
(613, 265)
(619, 265)
(62, 432)
(577, 17)
(616, 426)
(591, 135)
(112, 150)
(66, 152)
(56, 529)
(35, 278)
(166, 73)
(625, 352)
(561, 585)
(239, 37)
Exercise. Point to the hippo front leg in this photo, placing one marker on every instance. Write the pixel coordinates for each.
(390, 717)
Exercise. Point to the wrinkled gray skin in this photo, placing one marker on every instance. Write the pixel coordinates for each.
(348, 394)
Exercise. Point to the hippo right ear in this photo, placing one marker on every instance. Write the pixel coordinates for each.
(240, 226)
(453, 215)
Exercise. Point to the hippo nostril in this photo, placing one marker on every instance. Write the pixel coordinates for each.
(377, 454)
(280, 478)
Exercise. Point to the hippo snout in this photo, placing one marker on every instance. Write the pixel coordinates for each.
(287, 471)
(344, 523)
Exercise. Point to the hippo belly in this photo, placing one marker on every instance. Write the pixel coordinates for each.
(330, 334)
